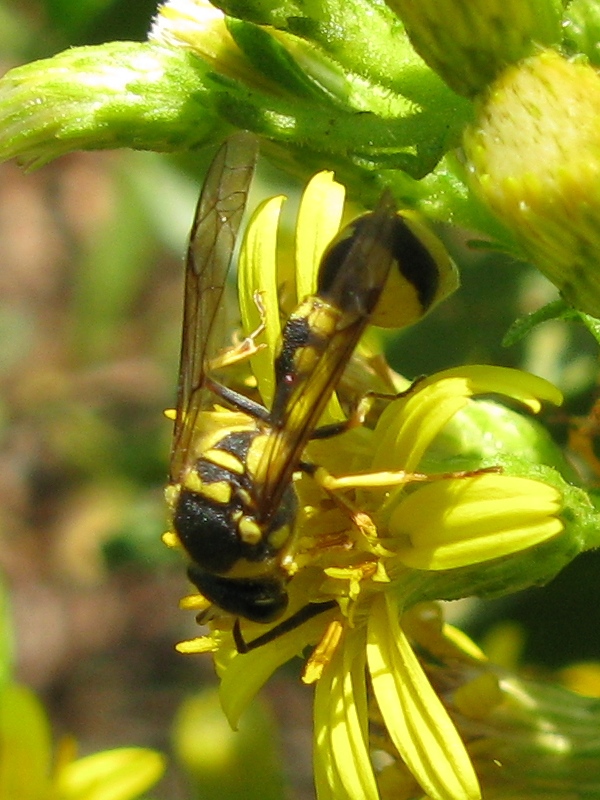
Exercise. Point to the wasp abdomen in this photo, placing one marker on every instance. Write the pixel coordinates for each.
(421, 272)
(416, 263)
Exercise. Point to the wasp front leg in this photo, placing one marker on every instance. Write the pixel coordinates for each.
(337, 487)
(360, 412)
(386, 478)
(243, 349)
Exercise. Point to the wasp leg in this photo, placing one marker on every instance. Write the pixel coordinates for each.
(356, 418)
(405, 392)
(366, 480)
(327, 482)
(242, 350)
(369, 480)
(235, 355)
(335, 486)
(358, 415)
(291, 623)
(237, 400)
(323, 652)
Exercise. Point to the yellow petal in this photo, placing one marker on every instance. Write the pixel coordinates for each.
(342, 763)
(414, 716)
(244, 675)
(319, 219)
(25, 744)
(462, 642)
(257, 273)
(121, 774)
(409, 425)
(521, 386)
(461, 521)
(201, 644)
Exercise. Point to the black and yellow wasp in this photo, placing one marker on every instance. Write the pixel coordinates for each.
(231, 489)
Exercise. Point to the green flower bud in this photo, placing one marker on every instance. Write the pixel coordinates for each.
(215, 757)
(581, 26)
(342, 81)
(469, 43)
(546, 739)
(534, 157)
(122, 94)
(485, 431)
(533, 566)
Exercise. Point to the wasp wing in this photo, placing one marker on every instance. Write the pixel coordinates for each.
(212, 241)
(352, 275)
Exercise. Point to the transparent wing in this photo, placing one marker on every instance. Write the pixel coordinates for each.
(212, 242)
(352, 275)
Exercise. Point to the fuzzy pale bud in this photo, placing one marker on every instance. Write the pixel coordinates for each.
(534, 158)
(469, 43)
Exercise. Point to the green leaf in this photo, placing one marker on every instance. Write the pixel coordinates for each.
(558, 309)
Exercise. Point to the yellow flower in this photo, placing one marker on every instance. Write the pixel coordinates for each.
(25, 759)
(372, 536)
(527, 739)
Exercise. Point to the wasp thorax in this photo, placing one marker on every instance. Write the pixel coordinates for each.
(215, 513)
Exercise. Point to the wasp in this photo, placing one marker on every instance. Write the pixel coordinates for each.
(231, 490)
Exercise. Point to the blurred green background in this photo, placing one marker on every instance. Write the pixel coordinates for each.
(91, 254)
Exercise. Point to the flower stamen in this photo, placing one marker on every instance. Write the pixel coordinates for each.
(323, 652)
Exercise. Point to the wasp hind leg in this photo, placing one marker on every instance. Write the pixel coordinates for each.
(389, 478)
(294, 621)
(238, 401)
(361, 410)
(238, 353)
